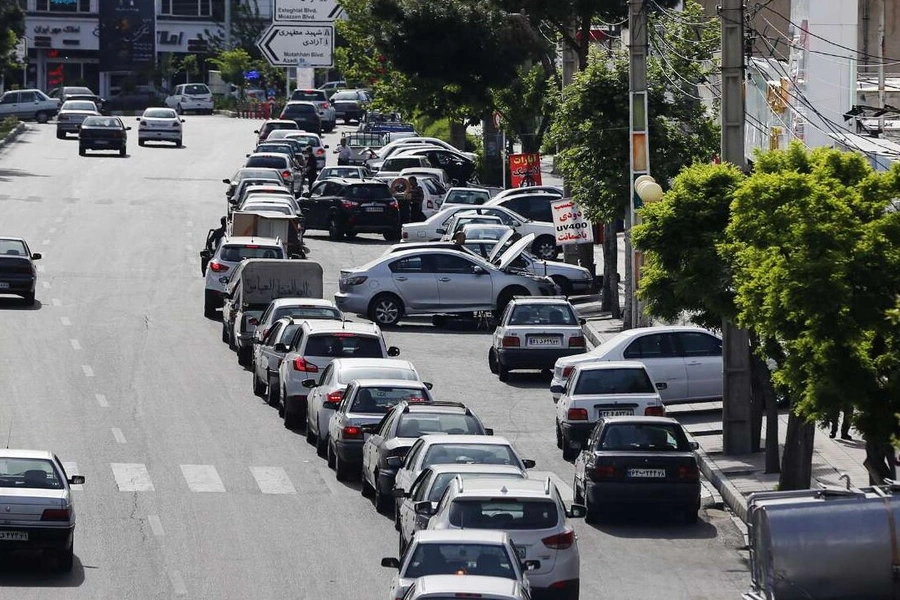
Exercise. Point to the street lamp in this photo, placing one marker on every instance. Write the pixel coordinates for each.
(647, 191)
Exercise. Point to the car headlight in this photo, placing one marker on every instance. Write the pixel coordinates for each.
(585, 274)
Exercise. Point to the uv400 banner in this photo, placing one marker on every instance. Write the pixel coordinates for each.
(127, 34)
(524, 170)
(572, 227)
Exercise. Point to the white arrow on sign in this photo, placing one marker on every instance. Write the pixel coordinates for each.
(287, 45)
(293, 11)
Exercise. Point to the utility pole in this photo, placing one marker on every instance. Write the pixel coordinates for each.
(736, 417)
(881, 94)
(228, 24)
(569, 66)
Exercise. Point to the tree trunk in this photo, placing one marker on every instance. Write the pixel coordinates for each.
(796, 466)
(764, 400)
(609, 293)
(881, 462)
(458, 134)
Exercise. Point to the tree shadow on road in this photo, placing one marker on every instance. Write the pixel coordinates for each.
(7, 174)
(655, 523)
(32, 570)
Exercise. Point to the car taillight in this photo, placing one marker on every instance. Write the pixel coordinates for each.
(576, 341)
(300, 364)
(688, 473)
(413, 399)
(405, 235)
(351, 432)
(217, 267)
(56, 514)
(349, 204)
(577, 414)
(355, 280)
(560, 541)
(325, 105)
(602, 472)
(393, 204)
(655, 411)
(568, 370)
(320, 151)
(285, 174)
(511, 341)
(335, 396)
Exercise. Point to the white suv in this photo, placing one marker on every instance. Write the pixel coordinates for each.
(534, 515)
(598, 390)
(229, 254)
(191, 96)
(533, 333)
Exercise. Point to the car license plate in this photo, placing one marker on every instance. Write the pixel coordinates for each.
(13, 536)
(646, 473)
(544, 340)
(622, 412)
(374, 209)
(4, 285)
(101, 142)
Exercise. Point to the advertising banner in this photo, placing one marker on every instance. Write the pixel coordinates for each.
(525, 170)
(572, 227)
(127, 34)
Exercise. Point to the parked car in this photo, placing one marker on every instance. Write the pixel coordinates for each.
(420, 140)
(324, 108)
(229, 254)
(312, 140)
(160, 125)
(437, 281)
(290, 172)
(304, 114)
(347, 207)
(350, 105)
(342, 172)
(385, 448)
(638, 461)
(688, 360)
(253, 173)
(458, 166)
(465, 195)
(66, 93)
(534, 206)
(103, 133)
(191, 97)
(438, 587)
(429, 172)
(271, 125)
(71, 114)
(390, 168)
(460, 220)
(598, 390)
(332, 86)
(28, 104)
(17, 272)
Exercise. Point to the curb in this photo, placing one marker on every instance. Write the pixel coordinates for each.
(595, 338)
(732, 497)
(228, 113)
(12, 135)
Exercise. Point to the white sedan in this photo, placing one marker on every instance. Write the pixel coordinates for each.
(160, 125)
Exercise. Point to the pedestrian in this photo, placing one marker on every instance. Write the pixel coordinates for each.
(344, 153)
(415, 195)
(312, 167)
(212, 244)
(847, 411)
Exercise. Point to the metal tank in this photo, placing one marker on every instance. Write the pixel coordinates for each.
(826, 544)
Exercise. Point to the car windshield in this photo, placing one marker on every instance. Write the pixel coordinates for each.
(28, 473)
(646, 437)
(306, 312)
(306, 140)
(343, 345)
(614, 381)
(79, 105)
(542, 314)
(442, 481)
(12, 248)
(271, 162)
(196, 89)
(413, 425)
(343, 172)
(109, 122)
(486, 233)
(160, 113)
(239, 253)
(437, 558)
(482, 454)
(373, 191)
(255, 174)
(298, 109)
(467, 197)
(76, 91)
(503, 513)
(348, 375)
(398, 164)
(379, 400)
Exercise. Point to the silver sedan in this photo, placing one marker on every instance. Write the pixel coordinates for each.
(71, 114)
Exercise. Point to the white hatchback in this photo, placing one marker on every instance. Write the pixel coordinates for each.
(160, 125)
(191, 96)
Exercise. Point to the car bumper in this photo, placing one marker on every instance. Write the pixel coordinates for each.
(348, 113)
(582, 286)
(351, 303)
(101, 144)
(349, 450)
(664, 493)
(160, 134)
(39, 538)
(16, 285)
(561, 590)
(195, 104)
(68, 127)
(576, 432)
(533, 358)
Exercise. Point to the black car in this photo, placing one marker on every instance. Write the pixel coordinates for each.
(350, 105)
(17, 273)
(102, 133)
(346, 207)
(637, 461)
(304, 114)
(535, 206)
(77, 93)
(390, 439)
(458, 167)
(140, 98)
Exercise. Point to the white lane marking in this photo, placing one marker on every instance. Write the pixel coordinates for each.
(132, 477)
(40, 268)
(55, 301)
(273, 480)
(565, 490)
(155, 525)
(45, 285)
(76, 345)
(101, 400)
(117, 433)
(88, 371)
(190, 223)
(72, 469)
(58, 219)
(202, 478)
(65, 321)
(45, 243)
(53, 230)
(188, 247)
(178, 587)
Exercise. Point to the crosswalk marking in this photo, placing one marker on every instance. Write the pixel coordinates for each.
(132, 477)
(155, 525)
(272, 480)
(202, 478)
(72, 469)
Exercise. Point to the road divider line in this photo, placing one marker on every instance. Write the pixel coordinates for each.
(88, 371)
(59, 219)
(190, 223)
(53, 230)
(40, 268)
(65, 321)
(54, 301)
(101, 400)
(72, 469)
(132, 477)
(202, 478)
(45, 243)
(272, 480)
(156, 525)
(76, 345)
(178, 587)
(45, 285)
(117, 433)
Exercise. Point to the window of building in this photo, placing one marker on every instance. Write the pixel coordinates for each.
(68, 6)
(187, 8)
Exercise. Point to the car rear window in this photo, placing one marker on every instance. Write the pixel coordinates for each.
(160, 113)
(345, 96)
(307, 140)
(649, 437)
(274, 126)
(12, 248)
(444, 558)
(442, 481)
(79, 105)
(348, 375)
(271, 162)
(308, 95)
(614, 381)
(306, 312)
(239, 253)
(398, 164)
(196, 89)
(543, 314)
(466, 454)
(298, 109)
(28, 473)
(373, 191)
(379, 400)
(503, 514)
(418, 424)
(343, 346)
(464, 197)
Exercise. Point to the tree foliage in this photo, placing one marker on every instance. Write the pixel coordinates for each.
(232, 65)
(13, 20)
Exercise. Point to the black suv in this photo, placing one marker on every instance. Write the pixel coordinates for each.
(304, 114)
(346, 207)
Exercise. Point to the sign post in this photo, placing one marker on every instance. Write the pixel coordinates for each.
(286, 45)
(570, 223)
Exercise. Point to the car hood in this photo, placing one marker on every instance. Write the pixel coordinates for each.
(492, 257)
(513, 252)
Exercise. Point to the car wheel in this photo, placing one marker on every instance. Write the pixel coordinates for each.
(386, 310)
(341, 470)
(545, 248)
(82, 151)
(244, 355)
(60, 135)
(271, 394)
(335, 231)
(502, 371)
(224, 332)
(592, 512)
(505, 297)
(28, 299)
(564, 284)
(290, 419)
(382, 504)
(492, 361)
(322, 446)
(41, 116)
(568, 452)
(365, 489)
(691, 514)
(231, 341)
(66, 558)
(122, 151)
(178, 143)
(393, 236)
(141, 142)
(577, 496)
(350, 234)
(310, 436)
(559, 442)
(209, 309)
(179, 110)
(259, 388)
(330, 456)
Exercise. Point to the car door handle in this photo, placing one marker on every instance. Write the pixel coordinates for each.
(444, 279)
(400, 278)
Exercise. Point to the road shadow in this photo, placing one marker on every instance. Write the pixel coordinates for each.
(161, 145)
(8, 174)
(425, 326)
(109, 155)
(655, 523)
(359, 240)
(32, 570)
(529, 380)
(16, 303)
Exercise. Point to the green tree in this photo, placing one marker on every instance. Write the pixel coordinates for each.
(813, 246)
(190, 67)
(233, 64)
(527, 106)
(13, 28)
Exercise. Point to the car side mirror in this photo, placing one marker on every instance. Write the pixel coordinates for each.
(582, 321)
(76, 480)
(529, 464)
(394, 462)
(394, 351)
(532, 565)
(254, 321)
(576, 511)
(128, 129)
(441, 231)
(326, 146)
(398, 493)
(279, 347)
(233, 200)
(36, 256)
(662, 386)
(256, 131)
(138, 119)
(477, 270)
(182, 120)
(247, 155)
(514, 224)
(424, 508)
(390, 562)
(428, 385)
(308, 383)
(488, 431)
(228, 181)
(695, 445)
(556, 389)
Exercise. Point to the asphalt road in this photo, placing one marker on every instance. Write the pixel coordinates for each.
(115, 369)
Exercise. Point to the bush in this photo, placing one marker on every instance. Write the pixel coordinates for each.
(7, 125)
